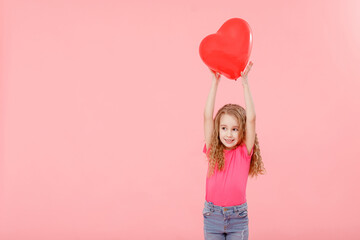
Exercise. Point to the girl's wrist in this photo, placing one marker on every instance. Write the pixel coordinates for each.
(216, 80)
(244, 81)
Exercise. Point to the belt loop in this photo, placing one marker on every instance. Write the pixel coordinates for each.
(211, 206)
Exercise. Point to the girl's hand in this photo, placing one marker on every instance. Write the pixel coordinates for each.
(245, 73)
(216, 75)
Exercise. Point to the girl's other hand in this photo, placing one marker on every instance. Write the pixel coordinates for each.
(216, 75)
(245, 72)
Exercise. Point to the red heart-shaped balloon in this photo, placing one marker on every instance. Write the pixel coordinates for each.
(228, 50)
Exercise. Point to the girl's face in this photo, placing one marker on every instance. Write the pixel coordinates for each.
(229, 131)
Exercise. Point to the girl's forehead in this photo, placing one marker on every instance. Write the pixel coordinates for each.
(228, 119)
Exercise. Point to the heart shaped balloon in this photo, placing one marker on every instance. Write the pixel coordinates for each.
(228, 50)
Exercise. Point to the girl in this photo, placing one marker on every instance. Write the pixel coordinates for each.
(232, 148)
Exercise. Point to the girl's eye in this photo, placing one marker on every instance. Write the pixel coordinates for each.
(223, 128)
(235, 129)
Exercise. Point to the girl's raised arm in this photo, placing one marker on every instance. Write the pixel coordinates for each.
(250, 111)
(209, 109)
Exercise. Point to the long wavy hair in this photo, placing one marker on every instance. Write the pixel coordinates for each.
(216, 154)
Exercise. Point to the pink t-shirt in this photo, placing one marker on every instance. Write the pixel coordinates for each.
(228, 187)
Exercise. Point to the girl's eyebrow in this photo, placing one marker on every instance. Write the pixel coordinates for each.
(226, 126)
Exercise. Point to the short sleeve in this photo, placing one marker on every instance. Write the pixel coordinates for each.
(206, 151)
(246, 151)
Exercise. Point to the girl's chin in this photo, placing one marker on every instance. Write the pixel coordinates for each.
(229, 145)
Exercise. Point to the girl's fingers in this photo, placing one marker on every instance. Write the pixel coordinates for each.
(247, 70)
(249, 67)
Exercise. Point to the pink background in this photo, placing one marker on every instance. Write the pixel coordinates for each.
(102, 118)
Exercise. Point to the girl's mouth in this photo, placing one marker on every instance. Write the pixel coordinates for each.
(228, 141)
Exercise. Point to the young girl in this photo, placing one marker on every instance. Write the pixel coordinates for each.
(232, 148)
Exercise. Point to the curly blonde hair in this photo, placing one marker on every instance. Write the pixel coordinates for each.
(216, 154)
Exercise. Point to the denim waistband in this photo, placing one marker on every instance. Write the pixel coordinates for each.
(234, 208)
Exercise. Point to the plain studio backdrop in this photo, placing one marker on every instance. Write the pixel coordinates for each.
(102, 118)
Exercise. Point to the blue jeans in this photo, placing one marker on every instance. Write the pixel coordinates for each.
(225, 222)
